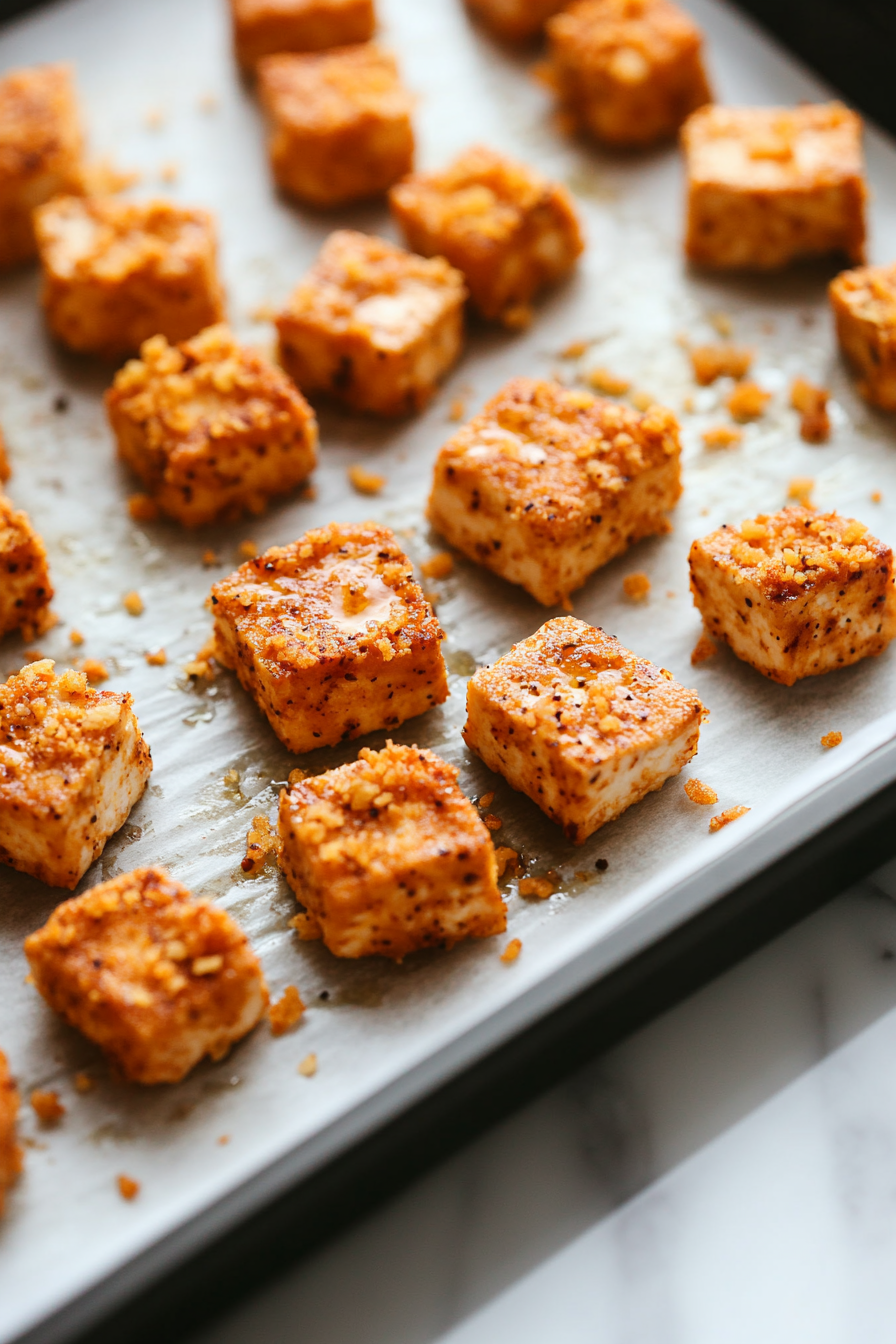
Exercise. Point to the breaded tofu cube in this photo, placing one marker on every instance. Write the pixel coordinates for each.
(72, 765)
(25, 588)
(388, 856)
(340, 123)
(509, 230)
(515, 20)
(156, 979)
(10, 1152)
(548, 483)
(263, 27)
(117, 272)
(629, 71)
(864, 305)
(211, 427)
(578, 723)
(771, 185)
(41, 147)
(372, 325)
(331, 636)
(796, 593)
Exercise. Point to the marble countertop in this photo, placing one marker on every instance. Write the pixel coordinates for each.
(725, 1176)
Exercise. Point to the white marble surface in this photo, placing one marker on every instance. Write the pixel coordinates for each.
(725, 1176)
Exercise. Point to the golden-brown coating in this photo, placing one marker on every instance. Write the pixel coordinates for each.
(515, 20)
(864, 306)
(340, 123)
(796, 593)
(5, 468)
(263, 27)
(389, 857)
(72, 765)
(156, 979)
(578, 723)
(41, 146)
(25, 588)
(117, 272)
(211, 427)
(772, 185)
(373, 325)
(509, 230)
(629, 71)
(331, 636)
(548, 483)
(10, 1152)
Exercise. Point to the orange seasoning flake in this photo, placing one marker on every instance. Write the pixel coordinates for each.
(832, 739)
(286, 1011)
(701, 793)
(725, 818)
(128, 1188)
(47, 1107)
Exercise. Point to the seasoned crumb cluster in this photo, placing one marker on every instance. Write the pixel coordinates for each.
(10, 1152)
(795, 549)
(153, 977)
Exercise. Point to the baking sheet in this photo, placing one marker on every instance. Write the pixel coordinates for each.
(160, 89)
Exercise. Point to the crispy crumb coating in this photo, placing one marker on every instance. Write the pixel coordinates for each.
(508, 229)
(331, 636)
(25, 588)
(10, 1152)
(156, 979)
(578, 723)
(117, 272)
(263, 27)
(548, 483)
(72, 765)
(41, 147)
(211, 427)
(389, 856)
(796, 593)
(864, 307)
(771, 185)
(630, 71)
(373, 325)
(515, 20)
(340, 123)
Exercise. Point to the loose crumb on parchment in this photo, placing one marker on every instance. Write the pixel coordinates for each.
(94, 670)
(710, 362)
(261, 841)
(832, 739)
(607, 382)
(636, 586)
(512, 950)
(286, 1011)
(539, 887)
(703, 649)
(508, 861)
(701, 793)
(725, 818)
(438, 566)
(47, 1106)
(719, 437)
(308, 1066)
(748, 401)
(133, 604)
(364, 481)
(156, 657)
(128, 1188)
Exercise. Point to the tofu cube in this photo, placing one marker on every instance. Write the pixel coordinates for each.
(628, 71)
(388, 856)
(515, 20)
(331, 636)
(340, 123)
(578, 723)
(72, 765)
(549, 483)
(41, 148)
(211, 427)
(864, 305)
(10, 1152)
(117, 272)
(25, 588)
(264, 27)
(509, 230)
(154, 978)
(796, 593)
(768, 186)
(373, 326)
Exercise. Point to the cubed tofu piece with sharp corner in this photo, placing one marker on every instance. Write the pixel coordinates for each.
(548, 483)
(41, 149)
(864, 305)
(331, 636)
(211, 427)
(796, 593)
(510, 231)
(768, 186)
(578, 723)
(154, 978)
(515, 20)
(10, 1152)
(389, 857)
(264, 27)
(25, 588)
(373, 326)
(340, 123)
(117, 272)
(629, 71)
(72, 765)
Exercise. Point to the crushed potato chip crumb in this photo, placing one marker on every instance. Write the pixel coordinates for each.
(539, 887)
(701, 793)
(710, 362)
(364, 481)
(832, 739)
(722, 436)
(94, 670)
(285, 1013)
(47, 1106)
(748, 401)
(133, 604)
(261, 841)
(603, 380)
(512, 950)
(438, 566)
(636, 586)
(128, 1188)
(308, 1066)
(725, 818)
